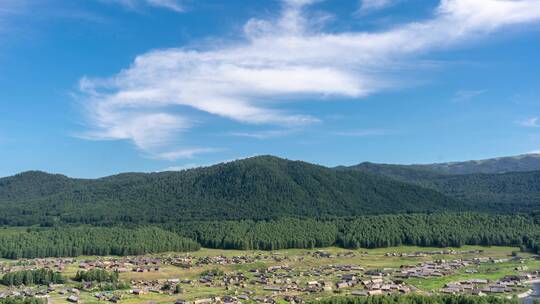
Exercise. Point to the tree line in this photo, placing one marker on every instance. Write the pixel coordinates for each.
(69, 241)
(32, 277)
(96, 275)
(433, 230)
(437, 230)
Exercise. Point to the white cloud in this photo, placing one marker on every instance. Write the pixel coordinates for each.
(532, 122)
(175, 5)
(371, 5)
(170, 4)
(278, 60)
(466, 95)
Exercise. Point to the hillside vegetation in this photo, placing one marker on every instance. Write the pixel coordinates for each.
(428, 230)
(503, 192)
(256, 188)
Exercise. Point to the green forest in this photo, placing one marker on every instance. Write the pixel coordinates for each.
(32, 277)
(438, 230)
(259, 188)
(96, 275)
(434, 230)
(79, 241)
(495, 192)
(270, 203)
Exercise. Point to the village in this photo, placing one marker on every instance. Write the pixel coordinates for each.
(212, 276)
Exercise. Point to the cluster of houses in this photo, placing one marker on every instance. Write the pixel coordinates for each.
(57, 264)
(480, 287)
(432, 252)
(271, 284)
(146, 264)
(71, 293)
(441, 268)
(327, 255)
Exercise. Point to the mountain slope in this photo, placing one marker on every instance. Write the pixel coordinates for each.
(256, 188)
(520, 163)
(507, 191)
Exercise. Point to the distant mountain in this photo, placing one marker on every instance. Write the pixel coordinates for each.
(520, 163)
(499, 184)
(256, 188)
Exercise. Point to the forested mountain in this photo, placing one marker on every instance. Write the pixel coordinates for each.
(256, 188)
(266, 203)
(505, 192)
(506, 184)
(520, 163)
(267, 187)
(508, 192)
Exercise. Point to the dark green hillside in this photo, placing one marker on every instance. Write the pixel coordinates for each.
(514, 192)
(256, 188)
(405, 173)
(34, 184)
(504, 192)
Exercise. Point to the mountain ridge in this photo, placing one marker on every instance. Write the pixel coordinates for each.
(504, 164)
(259, 188)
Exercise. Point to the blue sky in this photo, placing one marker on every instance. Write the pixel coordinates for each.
(90, 88)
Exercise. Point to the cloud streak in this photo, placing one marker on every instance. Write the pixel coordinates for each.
(362, 133)
(278, 60)
(372, 5)
(266, 134)
(466, 95)
(174, 5)
(533, 122)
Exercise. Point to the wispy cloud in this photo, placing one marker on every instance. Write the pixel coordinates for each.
(532, 122)
(9, 9)
(278, 60)
(184, 153)
(174, 5)
(466, 95)
(266, 134)
(362, 133)
(372, 5)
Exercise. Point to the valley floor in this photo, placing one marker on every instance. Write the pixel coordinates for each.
(211, 275)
